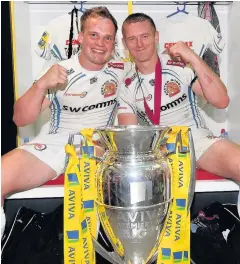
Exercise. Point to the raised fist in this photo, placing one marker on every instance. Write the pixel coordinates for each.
(55, 78)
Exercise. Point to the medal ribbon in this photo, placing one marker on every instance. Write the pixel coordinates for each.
(154, 115)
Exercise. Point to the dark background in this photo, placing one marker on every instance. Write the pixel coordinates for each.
(8, 128)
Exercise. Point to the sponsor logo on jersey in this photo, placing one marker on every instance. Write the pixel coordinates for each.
(172, 87)
(176, 63)
(82, 95)
(128, 81)
(109, 88)
(74, 42)
(152, 82)
(212, 137)
(147, 98)
(93, 80)
(168, 106)
(90, 107)
(44, 40)
(40, 147)
(71, 71)
(168, 45)
(116, 65)
(174, 103)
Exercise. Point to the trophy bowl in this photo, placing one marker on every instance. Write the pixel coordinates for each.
(133, 191)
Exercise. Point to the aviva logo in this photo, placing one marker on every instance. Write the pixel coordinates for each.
(171, 147)
(182, 155)
(88, 151)
(185, 255)
(84, 226)
(72, 179)
(166, 253)
(181, 204)
(88, 206)
(73, 236)
(177, 256)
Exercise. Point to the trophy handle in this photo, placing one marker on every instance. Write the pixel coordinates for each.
(192, 183)
(110, 256)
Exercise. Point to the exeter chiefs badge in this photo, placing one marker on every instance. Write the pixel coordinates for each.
(109, 88)
(40, 147)
(172, 87)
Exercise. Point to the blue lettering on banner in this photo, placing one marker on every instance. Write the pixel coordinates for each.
(71, 255)
(86, 175)
(169, 225)
(71, 204)
(178, 227)
(180, 178)
(86, 251)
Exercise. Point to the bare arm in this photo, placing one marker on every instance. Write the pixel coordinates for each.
(127, 119)
(208, 85)
(28, 107)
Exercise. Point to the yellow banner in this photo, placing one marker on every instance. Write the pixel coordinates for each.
(175, 244)
(80, 213)
(73, 250)
(80, 216)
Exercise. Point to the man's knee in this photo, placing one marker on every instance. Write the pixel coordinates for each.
(6, 183)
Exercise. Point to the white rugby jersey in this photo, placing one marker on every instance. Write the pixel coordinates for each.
(196, 32)
(54, 41)
(178, 103)
(90, 98)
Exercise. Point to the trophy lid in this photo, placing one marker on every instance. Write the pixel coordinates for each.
(132, 139)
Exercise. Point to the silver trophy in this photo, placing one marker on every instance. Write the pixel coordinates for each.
(134, 191)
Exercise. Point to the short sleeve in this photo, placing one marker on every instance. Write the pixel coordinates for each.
(188, 74)
(50, 94)
(126, 102)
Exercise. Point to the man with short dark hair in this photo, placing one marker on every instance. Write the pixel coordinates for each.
(170, 77)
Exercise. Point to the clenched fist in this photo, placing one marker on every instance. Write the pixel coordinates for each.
(55, 78)
(181, 52)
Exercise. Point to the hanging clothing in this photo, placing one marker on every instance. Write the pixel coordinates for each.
(56, 38)
(207, 11)
(185, 29)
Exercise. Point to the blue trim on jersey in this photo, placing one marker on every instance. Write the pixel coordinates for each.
(201, 51)
(74, 79)
(56, 51)
(171, 71)
(216, 46)
(55, 121)
(197, 111)
(112, 116)
(192, 104)
(174, 75)
(42, 55)
(113, 74)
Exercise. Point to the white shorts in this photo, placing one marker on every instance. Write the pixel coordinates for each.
(50, 149)
(203, 140)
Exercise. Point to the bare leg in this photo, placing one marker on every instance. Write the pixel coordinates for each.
(23, 171)
(223, 159)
